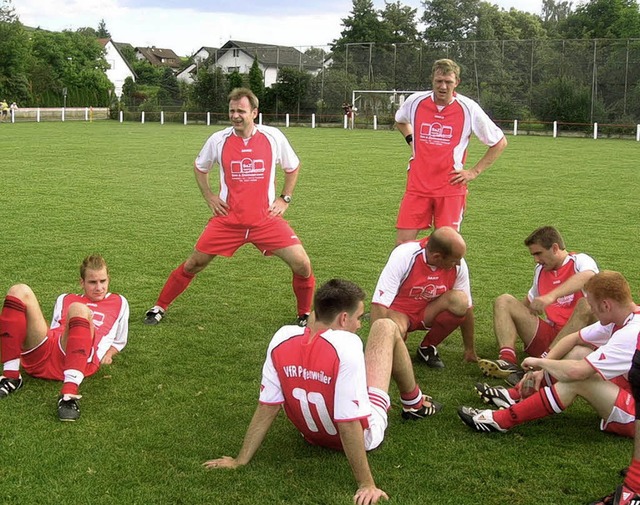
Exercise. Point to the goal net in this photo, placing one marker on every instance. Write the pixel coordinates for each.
(382, 104)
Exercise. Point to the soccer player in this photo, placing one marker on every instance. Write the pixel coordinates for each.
(437, 124)
(336, 396)
(425, 286)
(87, 330)
(556, 295)
(592, 363)
(246, 209)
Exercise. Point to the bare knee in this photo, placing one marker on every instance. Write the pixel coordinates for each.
(457, 302)
(77, 309)
(22, 292)
(197, 262)
(505, 302)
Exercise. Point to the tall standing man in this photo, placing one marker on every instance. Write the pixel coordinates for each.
(246, 208)
(437, 124)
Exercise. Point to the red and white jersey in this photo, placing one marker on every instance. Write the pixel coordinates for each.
(440, 139)
(110, 319)
(247, 170)
(545, 281)
(615, 346)
(408, 283)
(321, 381)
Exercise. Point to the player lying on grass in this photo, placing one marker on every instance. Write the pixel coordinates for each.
(87, 330)
(334, 394)
(592, 363)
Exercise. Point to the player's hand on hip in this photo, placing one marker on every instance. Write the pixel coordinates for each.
(367, 495)
(462, 177)
(278, 207)
(218, 206)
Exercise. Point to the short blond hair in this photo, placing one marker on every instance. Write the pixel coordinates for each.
(444, 67)
(238, 93)
(93, 262)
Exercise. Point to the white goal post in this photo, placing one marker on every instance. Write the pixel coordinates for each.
(377, 102)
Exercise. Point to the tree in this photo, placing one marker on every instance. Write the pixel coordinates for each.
(209, 91)
(169, 92)
(603, 19)
(14, 56)
(363, 25)
(554, 13)
(449, 20)
(256, 79)
(235, 80)
(399, 23)
(291, 89)
(102, 32)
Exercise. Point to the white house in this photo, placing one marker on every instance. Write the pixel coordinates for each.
(188, 75)
(237, 55)
(119, 68)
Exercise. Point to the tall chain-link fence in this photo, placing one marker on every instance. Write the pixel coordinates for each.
(577, 82)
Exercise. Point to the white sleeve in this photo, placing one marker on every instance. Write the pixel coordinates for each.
(403, 114)
(533, 292)
(584, 262)
(57, 312)
(270, 387)
(287, 158)
(394, 273)
(462, 282)
(351, 399)
(613, 359)
(483, 127)
(596, 334)
(208, 155)
(119, 334)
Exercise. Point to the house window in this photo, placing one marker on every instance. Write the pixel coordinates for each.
(233, 69)
(236, 53)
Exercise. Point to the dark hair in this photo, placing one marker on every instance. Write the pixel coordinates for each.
(93, 262)
(609, 284)
(545, 236)
(336, 296)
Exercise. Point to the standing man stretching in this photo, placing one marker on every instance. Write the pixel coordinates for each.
(246, 208)
(438, 124)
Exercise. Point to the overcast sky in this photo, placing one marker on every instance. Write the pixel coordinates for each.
(187, 25)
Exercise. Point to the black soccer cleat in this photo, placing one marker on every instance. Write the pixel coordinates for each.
(68, 409)
(430, 356)
(8, 386)
(479, 420)
(302, 320)
(153, 316)
(429, 408)
(495, 395)
(498, 369)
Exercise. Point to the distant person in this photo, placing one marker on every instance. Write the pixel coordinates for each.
(425, 286)
(336, 396)
(349, 111)
(87, 330)
(437, 125)
(4, 109)
(246, 209)
(592, 363)
(554, 307)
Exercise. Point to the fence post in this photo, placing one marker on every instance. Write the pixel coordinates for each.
(260, 118)
(86, 113)
(346, 120)
(313, 120)
(638, 133)
(286, 120)
(185, 117)
(595, 131)
(38, 115)
(121, 116)
(515, 127)
(161, 117)
(63, 114)
(555, 129)
(208, 118)
(13, 116)
(375, 122)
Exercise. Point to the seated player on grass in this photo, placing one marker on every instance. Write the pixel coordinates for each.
(592, 363)
(553, 308)
(334, 394)
(87, 330)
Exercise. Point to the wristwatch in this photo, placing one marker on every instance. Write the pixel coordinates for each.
(286, 198)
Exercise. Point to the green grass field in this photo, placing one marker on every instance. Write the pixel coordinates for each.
(184, 391)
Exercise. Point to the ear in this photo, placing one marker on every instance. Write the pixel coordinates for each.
(342, 319)
(555, 248)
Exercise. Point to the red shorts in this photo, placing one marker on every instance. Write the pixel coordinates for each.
(545, 334)
(220, 239)
(622, 420)
(47, 360)
(420, 212)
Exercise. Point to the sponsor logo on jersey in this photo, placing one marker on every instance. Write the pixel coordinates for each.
(428, 292)
(602, 357)
(436, 133)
